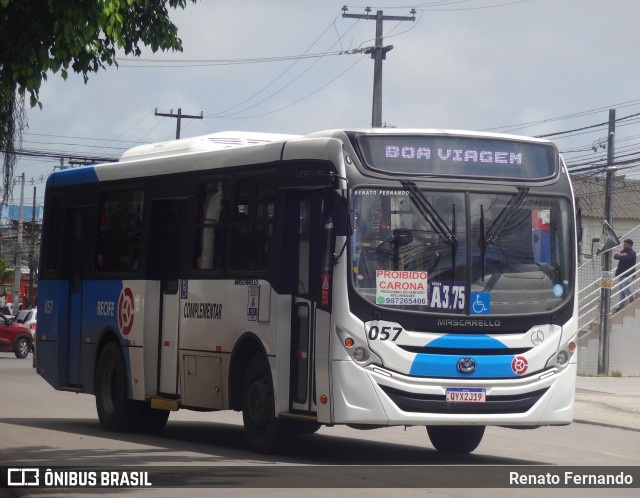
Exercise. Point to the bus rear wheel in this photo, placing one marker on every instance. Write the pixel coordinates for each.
(115, 410)
(455, 438)
(265, 432)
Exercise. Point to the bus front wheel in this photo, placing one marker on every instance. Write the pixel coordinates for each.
(265, 432)
(455, 438)
(309, 427)
(115, 410)
(151, 421)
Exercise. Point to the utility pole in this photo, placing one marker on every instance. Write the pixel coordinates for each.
(378, 54)
(605, 291)
(17, 275)
(32, 250)
(179, 118)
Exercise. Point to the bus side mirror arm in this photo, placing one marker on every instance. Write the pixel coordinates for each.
(336, 257)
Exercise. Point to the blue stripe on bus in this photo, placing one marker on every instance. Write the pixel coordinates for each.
(443, 365)
(74, 176)
(72, 324)
(100, 306)
(471, 341)
(54, 303)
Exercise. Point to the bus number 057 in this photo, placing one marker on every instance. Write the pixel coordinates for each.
(384, 333)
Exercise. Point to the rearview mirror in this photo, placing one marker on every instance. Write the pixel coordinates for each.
(402, 237)
(610, 238)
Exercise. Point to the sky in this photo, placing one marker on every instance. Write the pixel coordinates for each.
(528, 67)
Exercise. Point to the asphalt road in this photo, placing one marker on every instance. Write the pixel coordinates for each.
(41, 427)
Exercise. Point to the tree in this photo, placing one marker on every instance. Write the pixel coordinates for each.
(13, 121)
(49, 36)
(6, 277)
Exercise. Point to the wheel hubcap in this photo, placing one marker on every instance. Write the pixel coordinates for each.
(23, 348)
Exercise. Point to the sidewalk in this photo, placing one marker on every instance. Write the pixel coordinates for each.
(608, 401)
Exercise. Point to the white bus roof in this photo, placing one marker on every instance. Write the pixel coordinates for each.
(213, 141)
(233, 139)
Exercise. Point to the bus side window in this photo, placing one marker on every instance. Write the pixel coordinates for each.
(52, 237)
(119, 231)
(252, 228)
(211, 232)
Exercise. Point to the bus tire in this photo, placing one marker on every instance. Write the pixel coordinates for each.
(115, 410)
(151, 420)
(455, 438)
(309, 427)
(264, 431)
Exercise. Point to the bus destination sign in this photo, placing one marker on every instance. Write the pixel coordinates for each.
(458, 156)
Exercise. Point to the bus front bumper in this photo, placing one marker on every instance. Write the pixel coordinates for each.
(373, 395)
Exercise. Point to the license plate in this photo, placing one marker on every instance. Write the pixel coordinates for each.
(465, 395)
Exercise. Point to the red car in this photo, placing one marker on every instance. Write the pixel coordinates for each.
(14, 337)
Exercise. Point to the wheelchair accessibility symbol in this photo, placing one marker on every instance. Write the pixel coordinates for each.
(480, 303)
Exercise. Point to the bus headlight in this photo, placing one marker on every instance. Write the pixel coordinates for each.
(562, 358)
(357, 348)
(360, 354)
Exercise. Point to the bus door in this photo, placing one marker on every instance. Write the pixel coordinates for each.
(167, 239)
(311, 281)
(76, 233)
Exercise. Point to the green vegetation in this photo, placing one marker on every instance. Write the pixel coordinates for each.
(51, 36)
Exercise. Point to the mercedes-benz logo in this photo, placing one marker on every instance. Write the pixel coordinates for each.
(466, 365)
(537, 337)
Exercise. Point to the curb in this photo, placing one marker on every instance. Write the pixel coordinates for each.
(603, 424)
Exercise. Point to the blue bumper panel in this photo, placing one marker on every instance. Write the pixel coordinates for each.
(443, 364)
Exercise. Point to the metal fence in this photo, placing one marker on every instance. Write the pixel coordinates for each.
(590, 284)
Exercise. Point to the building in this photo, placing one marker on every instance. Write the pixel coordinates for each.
(29, 253)
(624, 341)
(590, 192)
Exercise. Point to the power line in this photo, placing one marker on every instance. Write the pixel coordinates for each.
(519, 126)
(283, 72)
(173, 63)
(599, 125)
(477, 8)
(431, 6)
(63, 155)
(77, 138)
(301, 99)
(225, 113)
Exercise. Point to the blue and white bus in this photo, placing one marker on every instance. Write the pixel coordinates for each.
(362, 277)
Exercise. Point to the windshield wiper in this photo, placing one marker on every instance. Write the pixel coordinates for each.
(505, 215)
(434, 219)
(483, 241)
(429, 213)
(491, 236)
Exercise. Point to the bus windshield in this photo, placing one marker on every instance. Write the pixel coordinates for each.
(451, 252)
